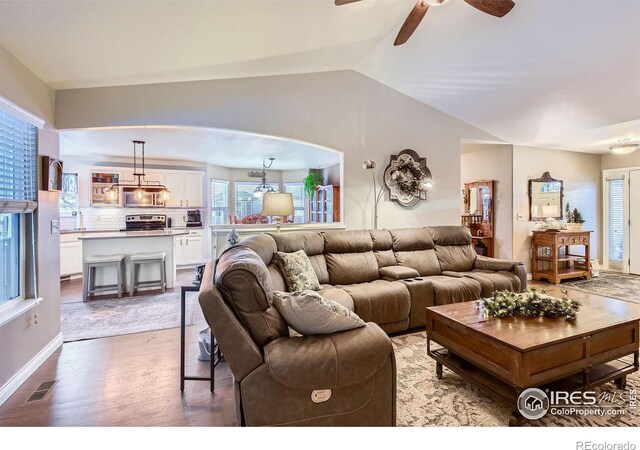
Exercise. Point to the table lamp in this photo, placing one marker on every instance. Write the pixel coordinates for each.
(277, 204)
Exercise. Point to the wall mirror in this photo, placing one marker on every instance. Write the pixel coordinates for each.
(478, 199)
(545, 198)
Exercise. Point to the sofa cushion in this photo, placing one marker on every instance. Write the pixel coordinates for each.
(263, 245)
(308, 312)
(312, 243)
(350, 268)
(491, 281)
(424, 261)
(297, 271)
(456, 258)
(380, 301)
(245, 284)
(337, 295)
(398, 272)
(381, 239)
(411, 239)
(319, 264)
(385, 258)
(347, 241)
(450, 235)
(277, 279)
(454, 290)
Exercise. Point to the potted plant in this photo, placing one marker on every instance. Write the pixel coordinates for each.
(574, 218)
(311, 182)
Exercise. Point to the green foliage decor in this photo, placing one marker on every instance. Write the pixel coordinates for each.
(311, 182)
(574, 216)
(531, 303)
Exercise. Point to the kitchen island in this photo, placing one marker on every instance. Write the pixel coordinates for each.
(128, 243)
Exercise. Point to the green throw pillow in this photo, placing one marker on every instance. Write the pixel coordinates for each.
(307, 312)
(297, 271)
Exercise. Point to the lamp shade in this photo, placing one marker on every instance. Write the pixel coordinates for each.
(277, 204)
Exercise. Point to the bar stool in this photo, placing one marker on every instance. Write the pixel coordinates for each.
(91, 263)
(138, 259)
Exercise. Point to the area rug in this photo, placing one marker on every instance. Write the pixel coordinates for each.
(610, 284)
(423, 400)
(126, 315)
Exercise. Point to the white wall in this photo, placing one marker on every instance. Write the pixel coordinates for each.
(343, 110)
(611, 161)
(494, 163)
(582, 189)
(21, 339)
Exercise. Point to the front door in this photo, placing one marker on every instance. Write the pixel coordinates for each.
(634, 222)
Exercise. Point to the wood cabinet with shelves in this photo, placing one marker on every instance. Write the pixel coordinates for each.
(325, 205)
(479, 215)
(552, 259)
(100, 183)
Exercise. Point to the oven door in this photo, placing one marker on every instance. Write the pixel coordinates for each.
(148, 199)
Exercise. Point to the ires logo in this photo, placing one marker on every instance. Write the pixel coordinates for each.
(577, 398)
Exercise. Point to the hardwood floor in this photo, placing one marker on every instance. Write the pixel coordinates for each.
(131, 380)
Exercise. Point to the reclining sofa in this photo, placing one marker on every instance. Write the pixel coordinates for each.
(388, 277)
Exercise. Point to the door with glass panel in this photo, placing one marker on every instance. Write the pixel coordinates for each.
(634, 222)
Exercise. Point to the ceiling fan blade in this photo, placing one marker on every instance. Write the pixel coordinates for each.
(413, 20)
(345, 2)
(496, 8)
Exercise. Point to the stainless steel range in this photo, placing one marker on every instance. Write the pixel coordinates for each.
(145, 222)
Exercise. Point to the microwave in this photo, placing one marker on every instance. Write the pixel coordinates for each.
(151, 198)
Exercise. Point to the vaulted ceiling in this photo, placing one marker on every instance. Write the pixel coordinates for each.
(555, 73)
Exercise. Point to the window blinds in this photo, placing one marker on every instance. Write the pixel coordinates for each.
(18, 184)
(616, 219)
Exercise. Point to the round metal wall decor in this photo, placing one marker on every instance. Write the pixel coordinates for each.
(407, 178)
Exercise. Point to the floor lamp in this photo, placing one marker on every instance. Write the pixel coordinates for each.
(371, 165)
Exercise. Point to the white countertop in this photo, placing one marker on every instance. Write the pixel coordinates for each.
(135, 234)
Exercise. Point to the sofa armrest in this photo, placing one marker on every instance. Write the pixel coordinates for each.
(497, 265)
(484, 263)
(328, 361)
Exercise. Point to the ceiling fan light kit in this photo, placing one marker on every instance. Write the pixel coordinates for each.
(497, 8)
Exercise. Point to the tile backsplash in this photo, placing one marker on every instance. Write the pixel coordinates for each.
(113, 218)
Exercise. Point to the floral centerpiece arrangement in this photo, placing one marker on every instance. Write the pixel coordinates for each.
(531, 303)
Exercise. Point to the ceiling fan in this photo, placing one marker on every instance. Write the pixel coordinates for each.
(497, 8)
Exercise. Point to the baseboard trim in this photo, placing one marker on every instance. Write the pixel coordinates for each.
(23, 374)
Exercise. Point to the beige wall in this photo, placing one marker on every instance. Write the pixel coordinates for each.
(494, 163)
(611, 161)
(582, 188)
(21, 339)
(343, 110)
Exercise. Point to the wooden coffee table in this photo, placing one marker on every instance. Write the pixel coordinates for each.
(503, 357)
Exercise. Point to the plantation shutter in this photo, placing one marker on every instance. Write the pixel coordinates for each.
(616, 218)
(18, 184)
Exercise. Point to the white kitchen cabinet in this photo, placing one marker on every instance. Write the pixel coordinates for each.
(192, 192)
(189, 249)
(70, 255)
(185, 189)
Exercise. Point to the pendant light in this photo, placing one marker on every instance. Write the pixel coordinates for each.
(139, 182)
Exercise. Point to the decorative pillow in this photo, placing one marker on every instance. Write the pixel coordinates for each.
(297, 271)
(307, 312)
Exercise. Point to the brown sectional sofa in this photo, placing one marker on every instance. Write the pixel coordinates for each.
(388, 277)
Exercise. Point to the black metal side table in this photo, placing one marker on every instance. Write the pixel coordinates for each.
(215, 353)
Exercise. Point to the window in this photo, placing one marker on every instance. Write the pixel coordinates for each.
(245, 202)
(69, 194)
(616, 219)
(297, 189)
(17, 196)
(10, 256)
(219, 202)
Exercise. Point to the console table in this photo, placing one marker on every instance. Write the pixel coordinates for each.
(552, 250)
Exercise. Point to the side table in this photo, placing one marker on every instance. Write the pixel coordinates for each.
(214, 361)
